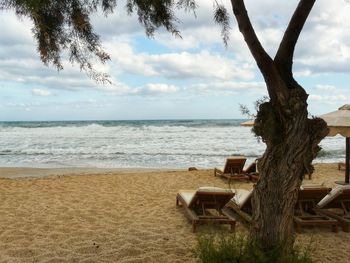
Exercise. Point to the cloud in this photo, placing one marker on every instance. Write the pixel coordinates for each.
(41, 92)
(198, 64)
(230, 87)
(324, 44)
(331, 54)
(22, 106)
(330, 99)
(155, 89)
(326, 88)
(116, 24)
(17, 32)
(182, 65)
(117, 88)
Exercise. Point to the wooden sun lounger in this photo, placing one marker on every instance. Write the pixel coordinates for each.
(337, 205)
(206, 205)
(233, 169)
(306, 212)
(241, 204)
(252, 172)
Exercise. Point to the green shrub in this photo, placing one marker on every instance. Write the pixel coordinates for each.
(239, 249)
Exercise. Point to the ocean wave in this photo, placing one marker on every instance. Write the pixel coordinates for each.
(158, 143)
(331, 153)
(123, 123)
(105, 154)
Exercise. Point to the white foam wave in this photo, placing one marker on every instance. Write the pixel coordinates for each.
(144, 145)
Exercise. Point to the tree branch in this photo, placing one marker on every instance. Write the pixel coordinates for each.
(285, 52)
(245, 27)
(277, 91)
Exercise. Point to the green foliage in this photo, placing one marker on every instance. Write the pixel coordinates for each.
(239, 249)
(245, 110)
(221, 17)
(65, 25)
(257, 129)
(267, 125)
(260, 101)
(212, 249)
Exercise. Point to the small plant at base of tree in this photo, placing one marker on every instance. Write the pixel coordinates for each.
(220, 248)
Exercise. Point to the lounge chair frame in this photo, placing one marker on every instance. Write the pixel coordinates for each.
(200, 209)
(340, 203)
(306, 212)
(233, 169)
(244, 211)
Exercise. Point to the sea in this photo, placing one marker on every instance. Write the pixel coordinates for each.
(164, 144)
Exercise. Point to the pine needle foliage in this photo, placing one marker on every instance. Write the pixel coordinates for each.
(65, 26)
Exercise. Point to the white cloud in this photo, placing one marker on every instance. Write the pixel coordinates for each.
(161, 88)
(195, 65)
(324, 44)
(23, 106)
(326, 88)
(117, 24)
(230, 87)
(200, 65)
(155, 89)
(302, 73)
(41, 92)
(117, 88)
(183, 65)
(332, 99)
(125, 60)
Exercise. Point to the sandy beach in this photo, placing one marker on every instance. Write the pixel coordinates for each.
(104, 215)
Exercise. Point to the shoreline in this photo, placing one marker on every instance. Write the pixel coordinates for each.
(32, 172)
(19, 172)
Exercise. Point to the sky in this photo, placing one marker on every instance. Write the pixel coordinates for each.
(166, 77)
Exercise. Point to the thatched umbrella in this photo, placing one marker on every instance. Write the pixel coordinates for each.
(339, 123)
(249, 123)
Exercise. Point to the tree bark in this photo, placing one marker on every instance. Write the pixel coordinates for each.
(292, 144)
(291, 138)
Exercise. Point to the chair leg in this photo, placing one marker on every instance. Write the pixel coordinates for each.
(298, 228)
(233, 226)
(334, 228)
(178, 203)
(194, 225)
(346, 228)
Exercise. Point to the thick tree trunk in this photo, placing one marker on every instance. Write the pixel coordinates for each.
(292, 143)
(291, 138)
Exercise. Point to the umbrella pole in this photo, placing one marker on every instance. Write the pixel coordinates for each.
(347, 159)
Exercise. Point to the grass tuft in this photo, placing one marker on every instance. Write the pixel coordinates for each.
(239, 249)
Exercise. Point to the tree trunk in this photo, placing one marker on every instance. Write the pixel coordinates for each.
(292, 143)
(291, 138)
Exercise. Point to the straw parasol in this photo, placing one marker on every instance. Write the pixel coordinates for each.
(339, 123)
(249, 123)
